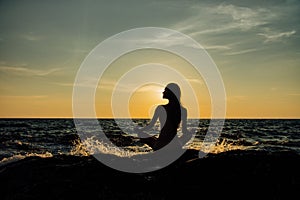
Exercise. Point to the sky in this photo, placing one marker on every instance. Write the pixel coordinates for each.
(254, 44)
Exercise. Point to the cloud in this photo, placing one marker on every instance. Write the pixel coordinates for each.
(87, 82)
(216, 47)
(151, 88)
(23, 96)
(90, 83)
(243, 17)
(277, 36)
(165, 40)
(107, 84)
(221, 18)
(240, 52)
(31, 37)
(27, 71)
(194, 80)
(231, 29)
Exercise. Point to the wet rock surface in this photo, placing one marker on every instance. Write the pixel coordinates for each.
(235, 175)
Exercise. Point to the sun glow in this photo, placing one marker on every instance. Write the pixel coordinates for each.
(144, 100)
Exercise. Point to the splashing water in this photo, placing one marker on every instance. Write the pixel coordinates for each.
(222, 145)
(91, 146)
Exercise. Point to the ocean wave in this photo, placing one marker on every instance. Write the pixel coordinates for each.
(18, 157)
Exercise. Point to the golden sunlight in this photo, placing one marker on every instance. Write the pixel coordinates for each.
(144, 100)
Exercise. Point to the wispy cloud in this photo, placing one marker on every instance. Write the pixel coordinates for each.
(240, 52)
(23, 96)
(150, 88)
(273, 37)
(90, 83)
(27, 71)
(86, 83)
(31, 37)
(129, 87)
(164, 39)
(227, 20)
(194, 80)
(243, 17)
(216, 47)
(107, 84)
(221, 18)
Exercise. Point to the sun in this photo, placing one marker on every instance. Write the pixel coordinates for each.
(144, 100)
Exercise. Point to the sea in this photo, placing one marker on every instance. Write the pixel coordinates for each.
(22, 138)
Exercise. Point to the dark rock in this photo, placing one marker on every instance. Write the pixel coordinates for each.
(234, 175)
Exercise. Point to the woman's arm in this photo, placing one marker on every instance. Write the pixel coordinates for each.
(155, 117)
(184, 121)
(186, 134)
(153, 120)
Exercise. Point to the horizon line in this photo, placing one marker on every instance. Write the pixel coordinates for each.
(205, 118)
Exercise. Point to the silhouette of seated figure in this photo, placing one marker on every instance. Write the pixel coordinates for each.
(170, 116)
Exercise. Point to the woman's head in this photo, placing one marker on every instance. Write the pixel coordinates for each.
(172, 92)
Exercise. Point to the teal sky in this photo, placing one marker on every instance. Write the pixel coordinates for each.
(255, 45)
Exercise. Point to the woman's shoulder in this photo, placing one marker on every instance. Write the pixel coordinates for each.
(183, 109)
(160, 108)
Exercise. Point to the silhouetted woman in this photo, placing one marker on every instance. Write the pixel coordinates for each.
(170, 116)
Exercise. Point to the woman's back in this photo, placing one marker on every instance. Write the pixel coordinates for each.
(171, 123)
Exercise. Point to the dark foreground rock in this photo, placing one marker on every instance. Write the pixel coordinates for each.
(230, 175)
